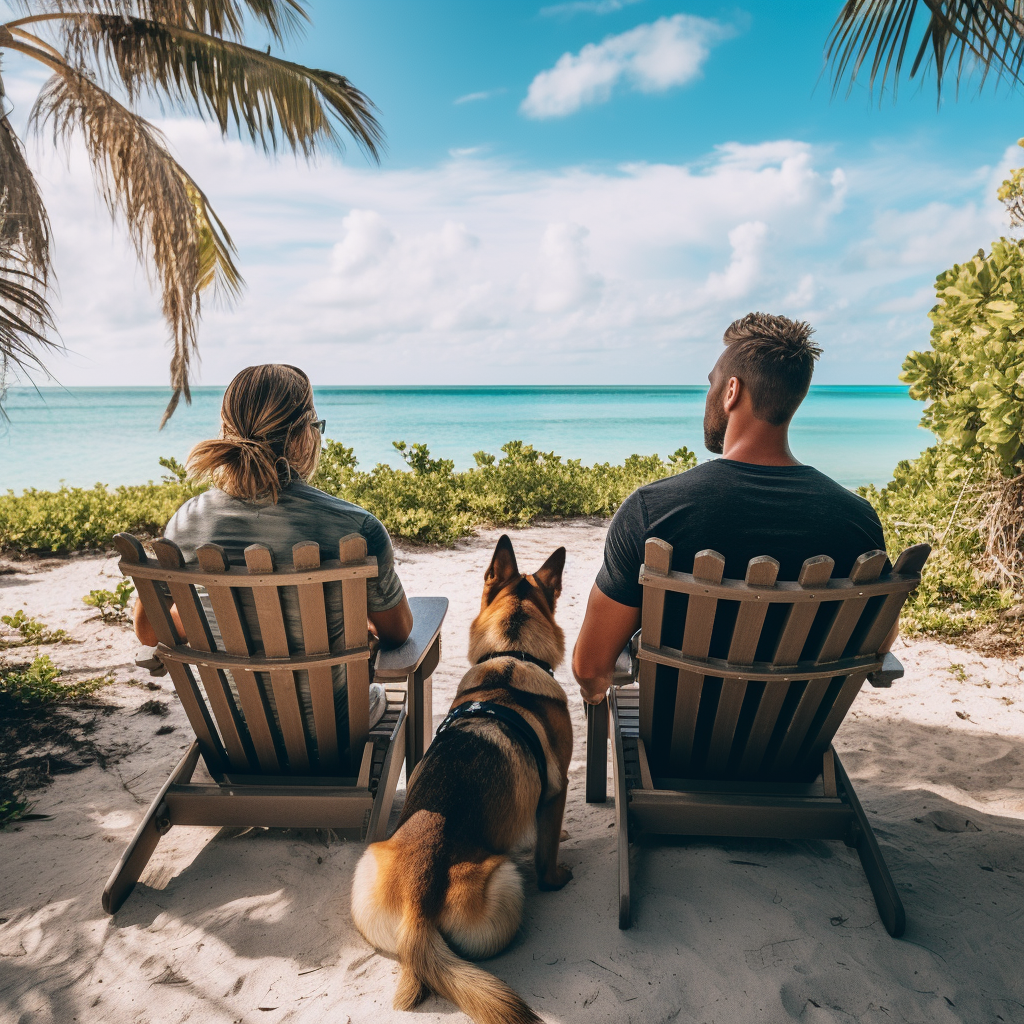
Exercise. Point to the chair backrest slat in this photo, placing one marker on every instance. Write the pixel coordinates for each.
(657, 559)
(253, 671)
(753, 727)
(235, 635)
(799, 619)
(353, 595)
(867, 568)
(158, 611)
(708, 567)
(200, 638)
(259, 560)
(761, 572)
(313, 612)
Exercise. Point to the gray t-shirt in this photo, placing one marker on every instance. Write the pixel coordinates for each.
(301, 513)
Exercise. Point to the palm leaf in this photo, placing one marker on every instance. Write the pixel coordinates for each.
(25, 317)
(170, 223)
(272, 100)
(958, 37)
(224, 18)
(23, 221)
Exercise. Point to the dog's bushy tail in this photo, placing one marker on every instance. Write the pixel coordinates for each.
(429, 965)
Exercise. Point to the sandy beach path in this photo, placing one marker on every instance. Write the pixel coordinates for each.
(233, 927)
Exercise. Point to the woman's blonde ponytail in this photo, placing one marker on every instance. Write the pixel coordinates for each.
(267, 434)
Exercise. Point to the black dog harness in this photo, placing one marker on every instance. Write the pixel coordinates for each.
(514, 720)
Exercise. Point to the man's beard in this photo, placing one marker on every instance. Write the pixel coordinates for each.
(715, 423)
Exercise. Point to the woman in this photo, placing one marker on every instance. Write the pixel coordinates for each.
(269, 446)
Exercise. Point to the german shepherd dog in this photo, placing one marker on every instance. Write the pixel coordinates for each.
(495, 775)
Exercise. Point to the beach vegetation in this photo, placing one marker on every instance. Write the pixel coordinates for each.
(39, 685)
(30, 632)
(427, 501)
(112, 605)
(42, 731)
(107, 58)
(965, 494)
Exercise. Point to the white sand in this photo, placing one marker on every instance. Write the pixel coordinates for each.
(229, 927)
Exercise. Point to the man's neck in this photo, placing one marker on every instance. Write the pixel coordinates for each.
(759, 444)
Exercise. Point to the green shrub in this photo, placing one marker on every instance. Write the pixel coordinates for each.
(39, 686)
(432, 503)
(427, 502)
(32, 632)
(112, 605)
(939, 499)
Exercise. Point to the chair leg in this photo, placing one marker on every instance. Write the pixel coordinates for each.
(621, 811)
(597, 753)
(890, 907)
(377, 826)
(135, 858)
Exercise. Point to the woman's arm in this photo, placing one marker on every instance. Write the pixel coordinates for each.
(144, 628)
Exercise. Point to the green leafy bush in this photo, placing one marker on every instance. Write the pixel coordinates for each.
(112, 605)
(432, 503)
(427, 502)
(39, 685)
(31, 632)
(965, 496)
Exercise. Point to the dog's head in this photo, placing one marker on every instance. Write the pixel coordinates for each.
(517, 611)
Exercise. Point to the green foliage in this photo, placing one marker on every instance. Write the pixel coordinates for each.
(74, 518)
(12, 808)
(39, 685)
(940, 499)
(973, 375)
(112, 605)
(432, 503)
(32, 632)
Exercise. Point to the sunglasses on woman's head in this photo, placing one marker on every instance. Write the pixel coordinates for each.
(320, 425)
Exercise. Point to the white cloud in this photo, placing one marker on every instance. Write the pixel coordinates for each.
(740, 276)
(476, 97)
(650, 58)
(475, 270)
(586, 7)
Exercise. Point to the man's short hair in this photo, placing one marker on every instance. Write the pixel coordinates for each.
(773, 357)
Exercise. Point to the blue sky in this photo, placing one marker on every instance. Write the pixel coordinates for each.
(576, 192)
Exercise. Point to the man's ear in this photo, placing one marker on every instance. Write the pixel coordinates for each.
(503, 567)
(549, 575)
(733, 393)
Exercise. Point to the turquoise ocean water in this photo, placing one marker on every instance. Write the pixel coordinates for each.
(87, 435)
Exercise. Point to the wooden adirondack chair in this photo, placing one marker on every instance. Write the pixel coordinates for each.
(275, 770)
(729, 732)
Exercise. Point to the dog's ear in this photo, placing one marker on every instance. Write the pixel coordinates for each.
(549, 575)
(503, 567)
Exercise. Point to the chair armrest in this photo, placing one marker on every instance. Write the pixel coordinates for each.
(891, 669)
(399, 662)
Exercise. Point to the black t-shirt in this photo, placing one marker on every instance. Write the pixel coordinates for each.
(741, 511)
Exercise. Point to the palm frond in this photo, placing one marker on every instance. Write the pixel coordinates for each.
(170, 223)
(25, 318)
(957, 37)
(274, 101)
(24, 225)
(222, 18)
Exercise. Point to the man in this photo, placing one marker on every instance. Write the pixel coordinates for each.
(755, 500)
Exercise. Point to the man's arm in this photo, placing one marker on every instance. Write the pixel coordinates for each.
(606, 629)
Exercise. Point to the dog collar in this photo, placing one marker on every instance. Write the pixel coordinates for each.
(514, 720)
(521, 656)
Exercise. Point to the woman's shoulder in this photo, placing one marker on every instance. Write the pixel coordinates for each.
(332, 515)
